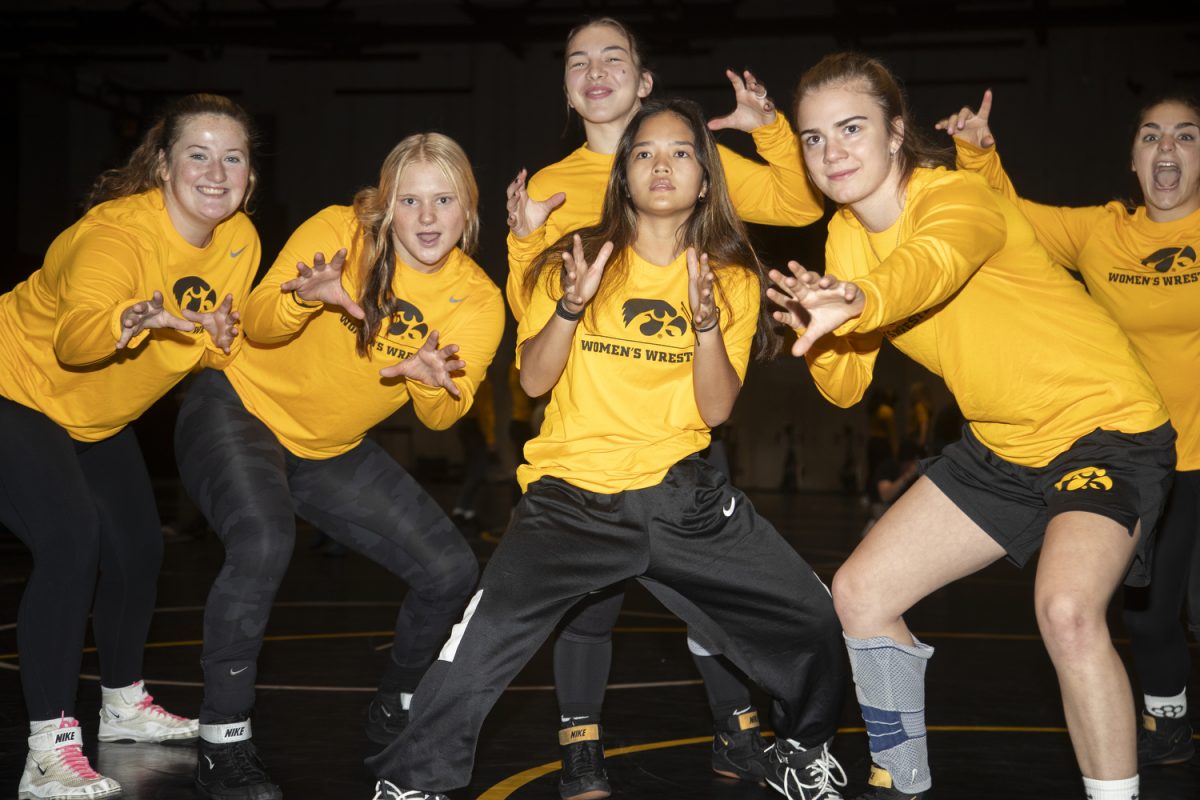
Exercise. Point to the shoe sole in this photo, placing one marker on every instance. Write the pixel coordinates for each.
(271, 793)
(117, 739)
(591, 794)
(741, 776)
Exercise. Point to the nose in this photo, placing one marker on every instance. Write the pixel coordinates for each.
(216, 170)
(833, 152)
(1166, 142)
(662, 165)
(596, 69)
(427, 215)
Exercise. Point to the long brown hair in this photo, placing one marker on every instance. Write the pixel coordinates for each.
(869, 75)
(375, 208)
(143, 170)
(712, 227)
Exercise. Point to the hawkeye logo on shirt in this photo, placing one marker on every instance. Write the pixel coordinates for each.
(1175, 266)
(1166, 258)
(408, 322)
(194, 294)
(1086, 478)
(659, 321)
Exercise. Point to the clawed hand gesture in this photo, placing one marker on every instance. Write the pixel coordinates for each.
(700, 290)
(221, 323)
(813, 304)
(322, 283)
(971, 126)
(429, 365)
(581, 280)
(754, 108)
(526, 215)
(149, 314)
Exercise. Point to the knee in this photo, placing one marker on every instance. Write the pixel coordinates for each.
(1071, 626)
(451, 579)
(852, 598)
(261, 556)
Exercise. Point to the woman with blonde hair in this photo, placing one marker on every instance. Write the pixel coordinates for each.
(129, 300)
(399, 314)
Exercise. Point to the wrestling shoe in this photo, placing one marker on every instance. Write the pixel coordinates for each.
(131, 715)
(583, 776)
(386, 790)
(386, 717)
(1164, 740)
(57, 769)
(228, 766)
(738, 748)
(882, 788)
(799, 774)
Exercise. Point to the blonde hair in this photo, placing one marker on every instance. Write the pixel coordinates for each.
(375, 207)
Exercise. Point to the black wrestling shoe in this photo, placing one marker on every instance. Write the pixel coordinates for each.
(386, 717)
(1164, 740)
(233, 771)
(739, 750)
(799, 774)
(882, 788)
(386, 790)
(583, 776)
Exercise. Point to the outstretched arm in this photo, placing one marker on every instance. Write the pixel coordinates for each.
(812, 304)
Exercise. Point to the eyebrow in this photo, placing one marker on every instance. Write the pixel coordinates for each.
(838, 124)
(677, 142)
(603, 50)
(1157, 127)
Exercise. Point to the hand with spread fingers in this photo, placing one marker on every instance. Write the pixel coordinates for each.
(813, 304)
(700, 292)
(581, 280)
(221, 323)
(969, 125)
(526, 215)
(149, 314)
(322, 283)
(429, 365)
(754, 108)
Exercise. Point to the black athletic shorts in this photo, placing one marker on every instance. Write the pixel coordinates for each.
(1122, 476)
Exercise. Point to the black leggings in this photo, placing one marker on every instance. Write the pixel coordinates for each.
(251, 489)
(82, 509)
(1160, 650)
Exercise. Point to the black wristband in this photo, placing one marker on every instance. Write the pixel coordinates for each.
(566, 313)
(716, 320)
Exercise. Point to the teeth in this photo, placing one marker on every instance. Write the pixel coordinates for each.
(210, 190)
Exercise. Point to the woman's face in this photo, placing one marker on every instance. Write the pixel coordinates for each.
(428, 217)
(205, 175)
(664, 175)
(1166, 160)
(602, 81)
(848, 146)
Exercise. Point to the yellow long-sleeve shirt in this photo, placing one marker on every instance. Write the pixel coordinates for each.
(300, 373)
(624, 409)
(1146, 274)
(777, 193)
(59, 328)
(960, 284)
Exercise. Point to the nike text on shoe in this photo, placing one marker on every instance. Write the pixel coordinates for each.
(386, 790)
(583, 776)
(882, 788)
(57, 769)
(1164, 740)
(738, 748)
(228, 766)
(131, 715)
(386, 717)
(800, 774)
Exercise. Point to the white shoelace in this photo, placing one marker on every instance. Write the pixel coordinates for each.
(825, 773)
(386, 790)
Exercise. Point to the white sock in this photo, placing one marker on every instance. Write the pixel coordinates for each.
(1172, 707)
(1124, 789)
(406, 700)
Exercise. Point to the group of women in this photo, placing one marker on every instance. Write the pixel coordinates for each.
(635, 286)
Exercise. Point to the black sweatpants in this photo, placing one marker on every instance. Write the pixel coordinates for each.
(250, 489)
(1160, 648)
(724, 569)
(86, 511)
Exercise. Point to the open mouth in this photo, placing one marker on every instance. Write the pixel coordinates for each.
(1167, 175)
(428, 239)
(211, 191)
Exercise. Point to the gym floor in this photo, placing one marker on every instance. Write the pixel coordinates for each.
(996, 724)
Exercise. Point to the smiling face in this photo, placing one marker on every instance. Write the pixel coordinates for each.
(204, 176)
(428, 217)
(663, 172)
(849, 149)
(603, 79)
(1166, 160)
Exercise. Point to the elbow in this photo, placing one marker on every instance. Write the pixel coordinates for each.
(531, 386)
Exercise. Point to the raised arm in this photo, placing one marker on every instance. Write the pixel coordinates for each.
(715, 382)
(526, 237)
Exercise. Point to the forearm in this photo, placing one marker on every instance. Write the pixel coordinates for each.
(544, 356)
(714, 380)
(86, 336)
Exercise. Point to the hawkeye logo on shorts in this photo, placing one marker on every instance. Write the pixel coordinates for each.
(1086, 478)
(194, 294)
(658, 317)
(408, 322)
